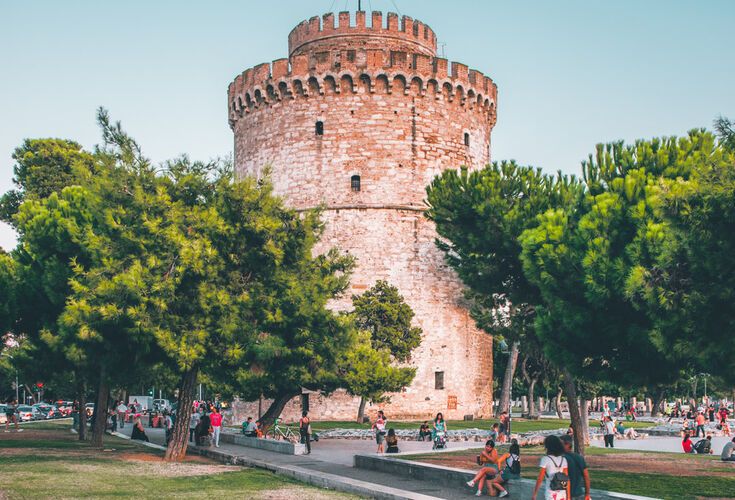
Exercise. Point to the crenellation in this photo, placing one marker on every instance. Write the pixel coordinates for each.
(392, 22)
(344, 22)
(328, 22)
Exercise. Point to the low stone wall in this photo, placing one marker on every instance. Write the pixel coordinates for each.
(462, 435)
(285, 447)
(450, 476)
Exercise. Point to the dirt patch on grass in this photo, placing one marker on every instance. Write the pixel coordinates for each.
(138, 468)
(618, 462)
(289, 493)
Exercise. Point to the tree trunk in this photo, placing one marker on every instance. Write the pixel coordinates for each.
(82, 398)
(510, 368)
(585, 414)
(574, 413)
(531, 404)
(100, 410)
(658, 397)
(176, 450)
(276, 407)
(361, 411)
(557, 403)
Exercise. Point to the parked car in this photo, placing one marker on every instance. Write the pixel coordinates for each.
(65, 407)
(48, 411)
(27, 413)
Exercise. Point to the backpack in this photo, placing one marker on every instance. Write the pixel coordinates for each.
(515, 467)
(559, 480)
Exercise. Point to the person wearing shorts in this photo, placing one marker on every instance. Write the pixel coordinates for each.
(488, 461)
(10, 414)
(379, 428)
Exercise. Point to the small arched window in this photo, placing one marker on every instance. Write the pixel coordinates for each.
(466, 139)
(319, 129)
(355, 183)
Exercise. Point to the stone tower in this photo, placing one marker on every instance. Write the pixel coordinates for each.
(359, 118)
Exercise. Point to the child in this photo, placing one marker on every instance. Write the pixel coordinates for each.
(424, 431)
(392, 441)
(495, 432)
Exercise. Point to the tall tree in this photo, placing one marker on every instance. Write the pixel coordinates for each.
(382, 312)
(583, 256)
(43, 166)
(689, 283)
(480, 216)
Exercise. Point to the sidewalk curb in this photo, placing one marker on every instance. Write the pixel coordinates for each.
(316, 478)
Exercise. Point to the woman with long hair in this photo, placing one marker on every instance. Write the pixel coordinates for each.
(554, 471)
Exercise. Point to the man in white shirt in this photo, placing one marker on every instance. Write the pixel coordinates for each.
(121, 410)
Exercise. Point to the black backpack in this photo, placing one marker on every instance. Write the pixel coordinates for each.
(515, 467)
(559, 480)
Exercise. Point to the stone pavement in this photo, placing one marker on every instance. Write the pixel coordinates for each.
(331, 466)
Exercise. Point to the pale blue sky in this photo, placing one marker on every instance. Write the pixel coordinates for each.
(570, 73)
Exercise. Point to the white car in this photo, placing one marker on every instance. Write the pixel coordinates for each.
(27, 413)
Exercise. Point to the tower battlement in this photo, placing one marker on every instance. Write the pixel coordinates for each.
(403, 33)
(373, 69)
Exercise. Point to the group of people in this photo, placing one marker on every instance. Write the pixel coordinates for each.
(205, 425)
(704, 447)
(695, 423)
(383, 436)
(612, 429)
(563, 472)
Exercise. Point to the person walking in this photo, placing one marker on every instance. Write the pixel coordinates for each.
(609, 432)
(168, 425)
(579, 476)
(700, 424)
(193, 422)
(554, 471)
(379, 428)
(11, 410)
(215, 420)
(305, 431)
(121, 410)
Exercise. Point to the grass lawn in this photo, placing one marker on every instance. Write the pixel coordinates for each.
(47, 461)
(649, 473)
(517, 425)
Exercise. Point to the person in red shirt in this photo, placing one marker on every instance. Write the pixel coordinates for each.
(686, 444)
(216, 423)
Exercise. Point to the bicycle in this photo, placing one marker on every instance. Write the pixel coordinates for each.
(279, 433)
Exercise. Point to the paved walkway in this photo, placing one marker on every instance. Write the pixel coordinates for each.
(332, 458)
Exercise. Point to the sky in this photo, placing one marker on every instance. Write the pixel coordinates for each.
(570, 73)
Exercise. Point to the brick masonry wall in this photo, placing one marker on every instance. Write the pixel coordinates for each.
(396, 131)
